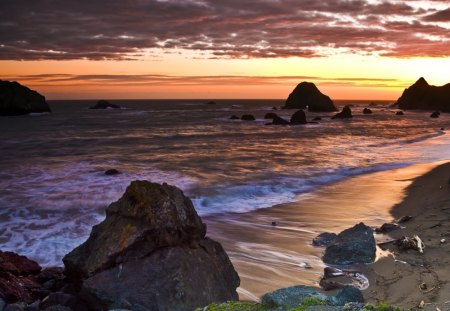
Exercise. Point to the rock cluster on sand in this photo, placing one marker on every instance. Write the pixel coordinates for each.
(16, 99)
(423, 96)
(307, 95)
(104, 104)
(351, 246)
(151, 253)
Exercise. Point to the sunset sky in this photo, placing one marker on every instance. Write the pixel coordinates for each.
(352, 49)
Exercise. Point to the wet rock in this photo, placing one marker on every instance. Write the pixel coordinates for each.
(435, 115)
(270, 115)
(290, 297)
(248, 117)
(404, 219)
(62, 299)
(152, 244)
(307, 95)
(17, 264)
(399, 113)
(211, 103)
(317, 119)
(15, 288)
(346, 113)
(148, 216)
(423, 96)
(324, 239)
(328, 284)
(346, 295)
(112, 172)
(16, 99)
(351, 246)
(388, 227)
(298, 117)
(234, 117)
(279, 121)
(20, 306)
(104, 104)
(33, 306)
(274, 108)
(330, 272)
(367, 111)
(406, 243)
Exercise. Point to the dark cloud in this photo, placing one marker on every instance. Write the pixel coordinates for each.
(440, 16)
(119, 30)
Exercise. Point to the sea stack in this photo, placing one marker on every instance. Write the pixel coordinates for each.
(16, 99)
(423, 96)
(151, 253)
(307, 95)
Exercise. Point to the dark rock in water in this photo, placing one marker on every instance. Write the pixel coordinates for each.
(211, 103)
(405, 218)
(317, 119)
(16, 99)
(270, 115)
(234, 117)
(185, 276)
(274, 223)
(150, 253)
(307, 95)
(248, 117)
(18, 265)
(112, 172)
(148, 216)
(399, 113)
(423, 96)
(104, 104)
(367, 111)
(387, 227)
(298, 117)
(279, 121)
(324, 239)
(351, 246)
(346, 113)
(274, 108)
(435, 115)
(291, 297)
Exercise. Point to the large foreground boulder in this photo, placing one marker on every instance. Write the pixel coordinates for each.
(423, 96)
(307, 95)
(16, 99)
(150, 253)
(352, 246)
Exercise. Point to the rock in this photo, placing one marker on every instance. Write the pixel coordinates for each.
(405, 243)
(317, 119)
(48, 274)
(112, 172)
(270, 115)
(16, 99)
(351, 246)
(184, 276)
(279, 121)
(388, 227)
(33, 306)
(2, 304)
(435, 115)
(346, 113)
(330, 272)
(18, 265)
(403, 219)
(58, 308)
(274, 108)
(20, 306)
(234, 117)
(104, 104)
(307, 95)
(211, 103)
(299, 117)
(423, 96)
(291, 297)
(324, 239)
(248, 117)
(148, 216)
(367, 111)
(399, 113)
(150, 253)
(62, 299)
(15, 288)
(328, 285)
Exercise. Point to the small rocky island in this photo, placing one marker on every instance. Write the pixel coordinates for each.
(307, 95)
(423, 96)
(16, 99)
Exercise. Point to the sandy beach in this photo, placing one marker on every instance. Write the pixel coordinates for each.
(286, 256)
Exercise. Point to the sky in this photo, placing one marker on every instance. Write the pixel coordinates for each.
(213, 49)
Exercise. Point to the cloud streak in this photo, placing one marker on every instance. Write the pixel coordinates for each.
(122, 30)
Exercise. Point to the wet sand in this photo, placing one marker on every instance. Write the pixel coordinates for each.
(268, 257)
(407, 278)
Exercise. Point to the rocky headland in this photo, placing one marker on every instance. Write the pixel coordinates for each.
(16, 99)
(423, 96)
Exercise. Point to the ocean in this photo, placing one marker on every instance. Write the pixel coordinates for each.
(53, 188)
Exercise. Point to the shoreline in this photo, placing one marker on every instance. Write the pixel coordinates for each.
(286, 256)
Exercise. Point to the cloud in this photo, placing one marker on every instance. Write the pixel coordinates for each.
(121, 30)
